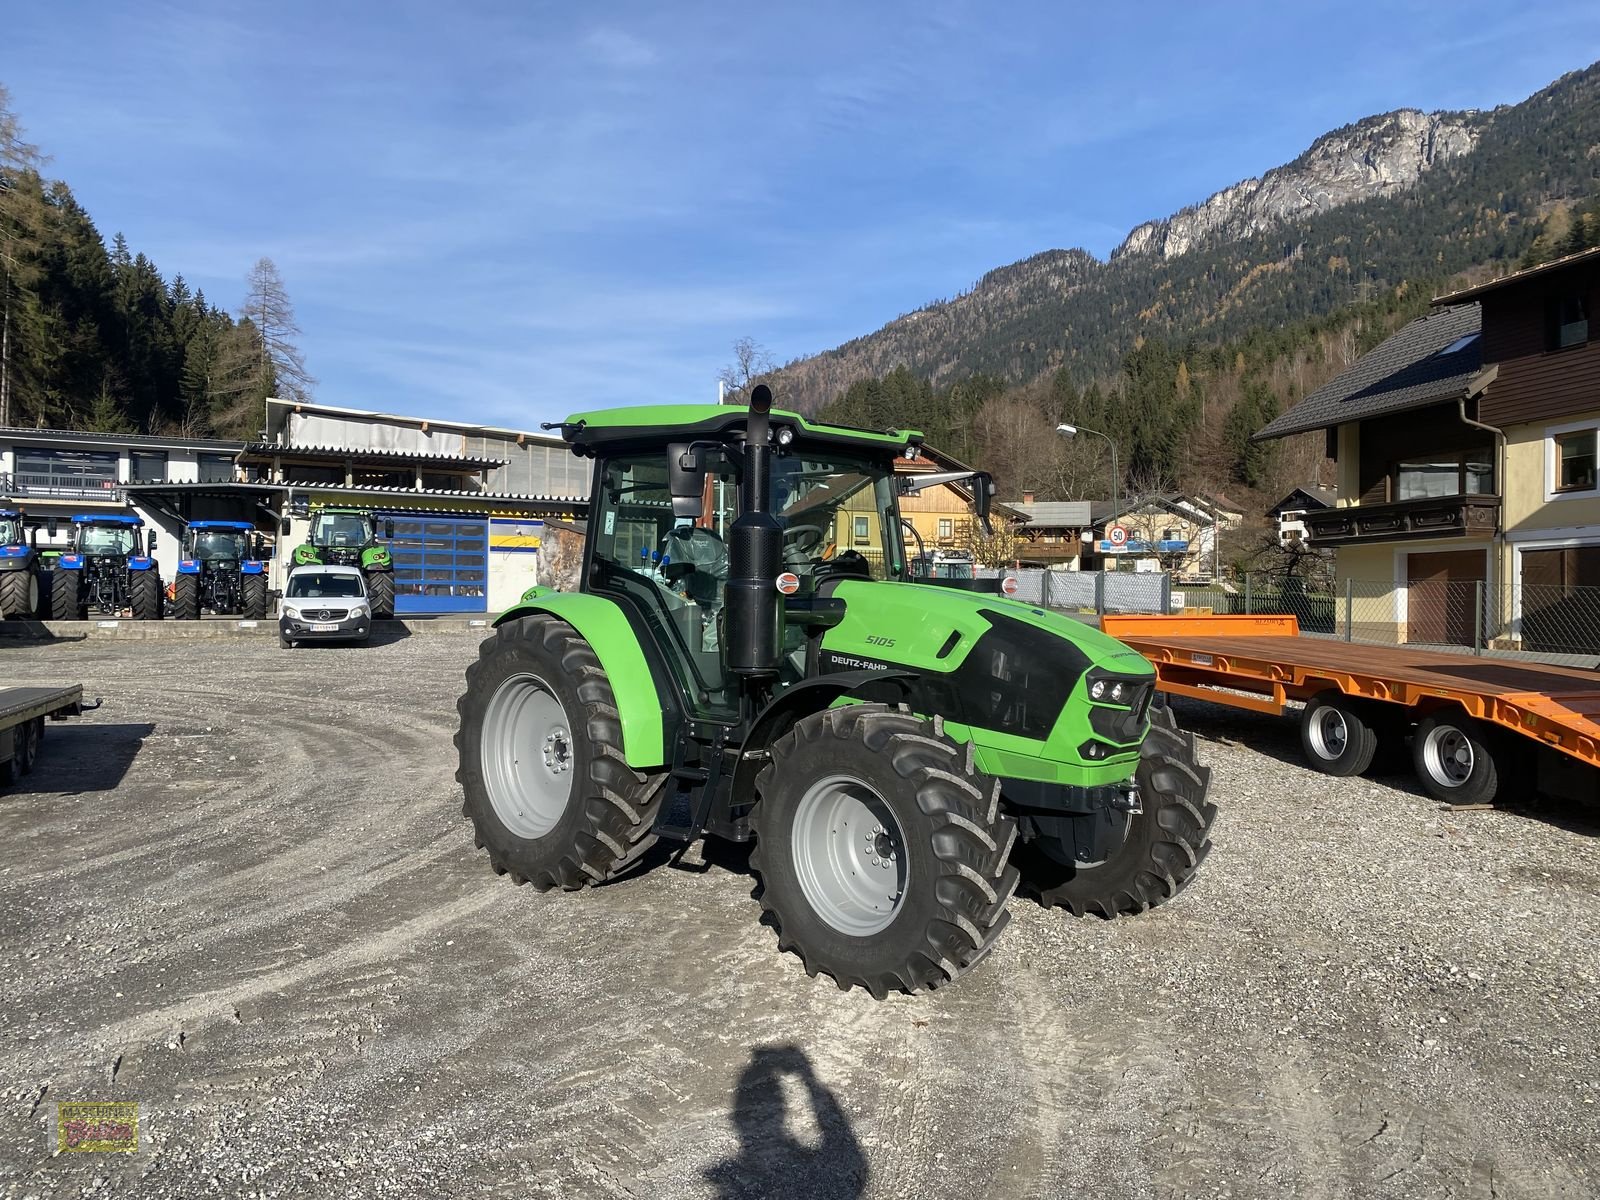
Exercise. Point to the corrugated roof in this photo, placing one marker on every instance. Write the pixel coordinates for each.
(1429, 361)
(14, 433)
(1072, 514)
(279, 450)
(223, 486)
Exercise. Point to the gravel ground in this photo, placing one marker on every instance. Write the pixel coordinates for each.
(242, 895)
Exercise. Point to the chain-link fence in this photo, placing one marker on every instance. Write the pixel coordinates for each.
(1553, 622)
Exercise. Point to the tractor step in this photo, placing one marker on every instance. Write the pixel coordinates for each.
(692, 788)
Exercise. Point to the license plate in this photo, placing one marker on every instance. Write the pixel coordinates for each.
(324, 629)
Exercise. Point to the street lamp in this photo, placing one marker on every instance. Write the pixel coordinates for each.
(1073, 431)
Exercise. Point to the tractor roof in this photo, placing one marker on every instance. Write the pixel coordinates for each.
(106, 519)
(9, 512)
(244, 525)
(655, 423)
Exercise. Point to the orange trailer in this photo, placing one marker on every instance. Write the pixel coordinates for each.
(1474, 718)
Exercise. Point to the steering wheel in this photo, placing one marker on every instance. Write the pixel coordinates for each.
(813, 536)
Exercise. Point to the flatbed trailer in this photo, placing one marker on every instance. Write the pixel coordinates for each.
(1477, 724)
(23, 711)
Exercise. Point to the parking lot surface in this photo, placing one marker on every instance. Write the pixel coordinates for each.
(242, 895)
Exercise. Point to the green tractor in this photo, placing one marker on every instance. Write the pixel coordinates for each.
(348, 537)
(751, 657)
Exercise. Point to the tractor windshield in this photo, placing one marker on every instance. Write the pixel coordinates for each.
(213, 544)
(108, 539)
(341, 529)
(831, 506)
(10, 531)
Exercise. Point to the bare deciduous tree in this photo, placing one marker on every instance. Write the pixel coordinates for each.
(267, 306)
(751, 365)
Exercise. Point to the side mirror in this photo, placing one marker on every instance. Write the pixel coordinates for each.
(52, 526)
(283, 527)
(982, 497)
(686, 479)
(151, 545)
(388, 531)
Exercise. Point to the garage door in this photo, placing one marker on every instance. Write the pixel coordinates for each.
(441, 564)
(1442, 607)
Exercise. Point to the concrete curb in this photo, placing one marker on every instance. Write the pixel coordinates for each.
(126, 629)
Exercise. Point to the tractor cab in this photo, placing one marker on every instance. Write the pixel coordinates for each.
(221, 543)
(11, 530)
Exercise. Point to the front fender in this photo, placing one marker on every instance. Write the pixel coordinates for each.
(16, 558)
(189, 566)
(614, 643)
(251, 566)
(376, 558)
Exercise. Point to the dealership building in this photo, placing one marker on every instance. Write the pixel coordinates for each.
(467, 503)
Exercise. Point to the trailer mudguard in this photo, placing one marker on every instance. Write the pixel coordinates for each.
(615, 644)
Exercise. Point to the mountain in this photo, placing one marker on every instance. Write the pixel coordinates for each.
(1402, 199)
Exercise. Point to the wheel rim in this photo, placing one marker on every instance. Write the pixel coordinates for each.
(1330, 733)
(527, 756)
(849, 855)
(1448, 754)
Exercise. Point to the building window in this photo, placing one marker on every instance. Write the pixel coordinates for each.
(863, 530)
(1568, 321)
(1575, 455)
(84, 474)
(301, 473)
(216, 468)
(1468, 474)
(947, 528)
(147, 466)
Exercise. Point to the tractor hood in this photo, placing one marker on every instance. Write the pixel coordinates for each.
(1016, 677)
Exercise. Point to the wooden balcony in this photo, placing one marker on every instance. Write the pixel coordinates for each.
(1434, 517)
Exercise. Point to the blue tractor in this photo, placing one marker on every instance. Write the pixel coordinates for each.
(221, 571)
(19, 569)
(107, 568)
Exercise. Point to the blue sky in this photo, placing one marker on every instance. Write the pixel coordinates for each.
(504, 211)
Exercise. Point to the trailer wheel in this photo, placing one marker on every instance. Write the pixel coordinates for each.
(253, 595)
(1454, 760)
(19, 595)
(28, 736)
(1165, 845)
(380, 591)
(65, 604)
(881, 850)
(547, 789)
(1336, 736)
(186, 598)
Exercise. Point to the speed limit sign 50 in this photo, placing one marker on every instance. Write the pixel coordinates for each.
(1117, 535)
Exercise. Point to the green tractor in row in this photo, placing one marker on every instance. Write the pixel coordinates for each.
(751, 657)
(348, 537)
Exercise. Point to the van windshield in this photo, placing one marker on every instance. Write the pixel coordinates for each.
(313, 586)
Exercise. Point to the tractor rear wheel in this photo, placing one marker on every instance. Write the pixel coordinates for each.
(548, 791)
(881, 850)
(144, 595)
(380, 590)
(253, 596)
(186, 598)
(1166, 843)
(65, 600)
(19, 595)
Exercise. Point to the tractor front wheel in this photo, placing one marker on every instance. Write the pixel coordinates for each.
(548, 791)
(1165, 843)
(65, 598)
(881, 850)
(380, 590)
(186, 598)
(144, 596)
(253, 596)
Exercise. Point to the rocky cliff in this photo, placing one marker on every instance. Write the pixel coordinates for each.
(1375, 157)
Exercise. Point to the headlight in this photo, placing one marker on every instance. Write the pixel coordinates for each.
(1097, 689)
(1117, 692)
(291, 612)
(359, 610)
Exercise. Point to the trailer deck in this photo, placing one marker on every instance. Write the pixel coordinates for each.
(1268, 660)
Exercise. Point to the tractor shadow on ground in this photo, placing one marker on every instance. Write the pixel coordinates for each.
(27, 632)
(385, 632)
(825, 1161)
(81, 758)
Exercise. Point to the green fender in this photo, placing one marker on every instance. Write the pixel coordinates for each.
(608, 633)
(376, 558)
